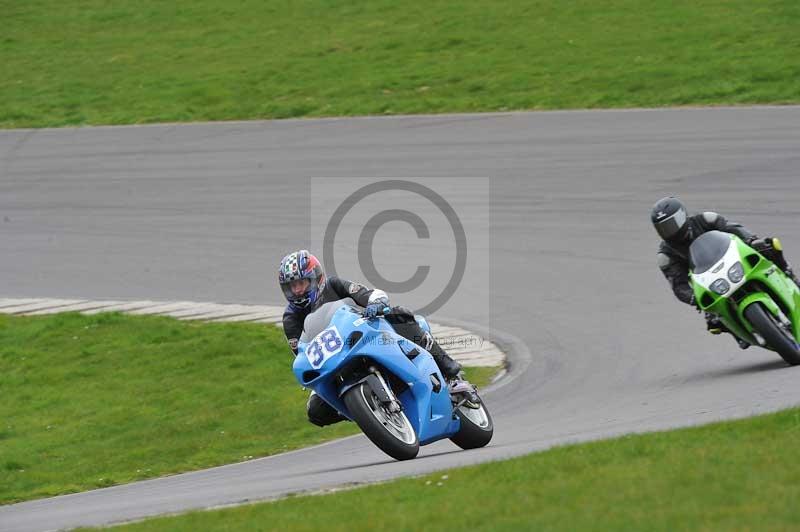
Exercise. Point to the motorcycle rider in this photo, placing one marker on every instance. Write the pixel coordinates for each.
(678, 230)
(306, 288)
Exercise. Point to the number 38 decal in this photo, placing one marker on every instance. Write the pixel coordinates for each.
(323, 346)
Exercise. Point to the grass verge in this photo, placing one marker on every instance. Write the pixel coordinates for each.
(99, 62)
(728, 476)
(93, 401)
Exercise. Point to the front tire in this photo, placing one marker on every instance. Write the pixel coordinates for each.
(477, 427)
(392, 433)
(776, 336)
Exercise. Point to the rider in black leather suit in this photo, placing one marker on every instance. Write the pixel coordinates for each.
(678, 230)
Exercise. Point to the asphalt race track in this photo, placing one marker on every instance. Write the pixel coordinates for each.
(203, 212)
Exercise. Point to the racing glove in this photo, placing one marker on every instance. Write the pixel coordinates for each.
(374, 309)
(378, 301)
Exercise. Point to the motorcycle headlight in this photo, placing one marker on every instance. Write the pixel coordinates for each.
(736, 272)
(720, 286)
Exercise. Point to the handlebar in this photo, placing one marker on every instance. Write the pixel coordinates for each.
(384, 310)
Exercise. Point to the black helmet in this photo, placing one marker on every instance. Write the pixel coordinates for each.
(670, 219)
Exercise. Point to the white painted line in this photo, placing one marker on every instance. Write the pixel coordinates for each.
(164, 308)
(437, 330)
(123, 307)
(8, 302)
(451, 336)
(41, 305)
(78, 307)
(278, 322)
(224, 311)
(481, 363)
(461, 341)
(465, 346)
(198, 310)
(478, 356)
(218, 317)
(485, 351)
(258, 316)
(487, 348)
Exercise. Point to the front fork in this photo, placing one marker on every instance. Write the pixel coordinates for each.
(384, 392)
(380, 388)
(770, 306)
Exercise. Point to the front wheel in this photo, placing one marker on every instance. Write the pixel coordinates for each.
(390, 431)
(477, 427)
(777, 337)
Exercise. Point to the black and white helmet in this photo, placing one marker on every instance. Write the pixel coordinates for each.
(670, 219)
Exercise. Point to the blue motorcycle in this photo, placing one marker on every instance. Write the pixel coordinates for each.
(389, 386)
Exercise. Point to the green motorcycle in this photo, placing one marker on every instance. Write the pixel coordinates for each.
(751, 296)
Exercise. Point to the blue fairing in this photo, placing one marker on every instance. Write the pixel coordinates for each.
(321, 357)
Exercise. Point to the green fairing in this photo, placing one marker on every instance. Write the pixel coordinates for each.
(779, 293)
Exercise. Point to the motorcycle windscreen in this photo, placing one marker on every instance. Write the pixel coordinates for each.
(318, 320)
(707, 250)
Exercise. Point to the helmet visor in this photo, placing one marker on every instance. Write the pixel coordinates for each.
(668, 228)
(288, 293)
(290, 287)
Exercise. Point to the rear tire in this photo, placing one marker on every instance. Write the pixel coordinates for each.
(389, 432)
(776, 336)
(477, 427)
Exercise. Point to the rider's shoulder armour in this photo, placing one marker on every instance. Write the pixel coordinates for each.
(664, 260)
(710, 217)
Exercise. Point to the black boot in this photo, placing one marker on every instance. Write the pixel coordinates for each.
(742, 343)
(449, 367)
(714, 324)
(321, 413)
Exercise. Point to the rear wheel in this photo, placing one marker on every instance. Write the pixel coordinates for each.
(477, 427)
(775, 334)
(391, 432)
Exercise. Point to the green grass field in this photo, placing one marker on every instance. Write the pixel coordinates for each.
(729, 476)
(99, 62)
(92, 401)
